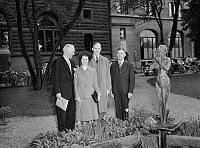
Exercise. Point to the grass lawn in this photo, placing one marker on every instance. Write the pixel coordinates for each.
(24, 101)
(184, 84)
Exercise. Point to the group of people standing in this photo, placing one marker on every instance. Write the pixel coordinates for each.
(95, 73)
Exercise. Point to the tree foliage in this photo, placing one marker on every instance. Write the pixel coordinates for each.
(191, 23)
(191, 19)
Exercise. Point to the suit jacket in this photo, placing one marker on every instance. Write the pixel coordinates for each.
(63, 79)
(122, 79)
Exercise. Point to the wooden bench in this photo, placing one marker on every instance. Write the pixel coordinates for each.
(3, 111)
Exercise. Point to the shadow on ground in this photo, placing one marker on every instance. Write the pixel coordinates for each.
(24, 101)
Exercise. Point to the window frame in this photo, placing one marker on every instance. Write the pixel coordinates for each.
(153, 45)
(91, 13)
(45, 29)
(179, 48)
(171, 9)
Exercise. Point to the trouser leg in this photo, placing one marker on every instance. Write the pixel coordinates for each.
(118, 105)
(70, 115)
(61, 118)
(125, 102)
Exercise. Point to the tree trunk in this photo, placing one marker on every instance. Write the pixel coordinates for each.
(174, 27)
(23, 47)
(161, 34)
(36, 54)
(64, 31)
(197, 47)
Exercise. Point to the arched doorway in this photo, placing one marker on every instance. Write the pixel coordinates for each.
(88, 41)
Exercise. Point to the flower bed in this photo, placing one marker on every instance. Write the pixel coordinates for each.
(108, 131)
(15, 78)
(102, 130)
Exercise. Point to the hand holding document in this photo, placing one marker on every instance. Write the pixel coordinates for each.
(62, 103)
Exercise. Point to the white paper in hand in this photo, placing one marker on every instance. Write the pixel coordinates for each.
(62, 103)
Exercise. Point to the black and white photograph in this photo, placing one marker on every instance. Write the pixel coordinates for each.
(99, 74)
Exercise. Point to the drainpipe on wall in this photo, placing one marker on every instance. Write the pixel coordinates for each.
(109, 15)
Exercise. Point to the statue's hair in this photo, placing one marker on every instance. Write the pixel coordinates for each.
(163, 49)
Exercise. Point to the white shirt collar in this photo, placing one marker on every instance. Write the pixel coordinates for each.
(84, 67)
(66, 58)
(95, 57)
(121, 62)
(68, 62)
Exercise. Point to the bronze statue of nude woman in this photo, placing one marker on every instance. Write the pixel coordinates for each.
(163, 85)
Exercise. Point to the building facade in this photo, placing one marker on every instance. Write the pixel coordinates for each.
(139, 38)
(93, 25)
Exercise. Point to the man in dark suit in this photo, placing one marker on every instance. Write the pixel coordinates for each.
(64, 88)
(123, 81)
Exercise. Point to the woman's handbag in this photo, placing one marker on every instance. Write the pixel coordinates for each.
(95, 96)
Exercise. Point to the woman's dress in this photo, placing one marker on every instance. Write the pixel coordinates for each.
(85, 84)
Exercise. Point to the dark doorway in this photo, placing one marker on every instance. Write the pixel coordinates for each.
(88, 41)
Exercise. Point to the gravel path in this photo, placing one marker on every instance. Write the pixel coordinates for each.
(20, 130)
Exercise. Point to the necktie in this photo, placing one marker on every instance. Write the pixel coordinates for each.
(120, 64)
(97, 59)
(69, 64)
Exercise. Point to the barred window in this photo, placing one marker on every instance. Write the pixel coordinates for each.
(87, 14)
(177, 51)
(147, 44)
(48, 33)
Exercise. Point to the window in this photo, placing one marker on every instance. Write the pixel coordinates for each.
(123, 38)
(122, 33)
(147, 9)
(121, 6)
(88, 41)
(172, 9)
(147, 44)
(87, 14)
(4, 32)
(48, 33)
(117, 6)
(177, 51)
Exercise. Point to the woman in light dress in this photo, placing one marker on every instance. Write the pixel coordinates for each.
(85, 83)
